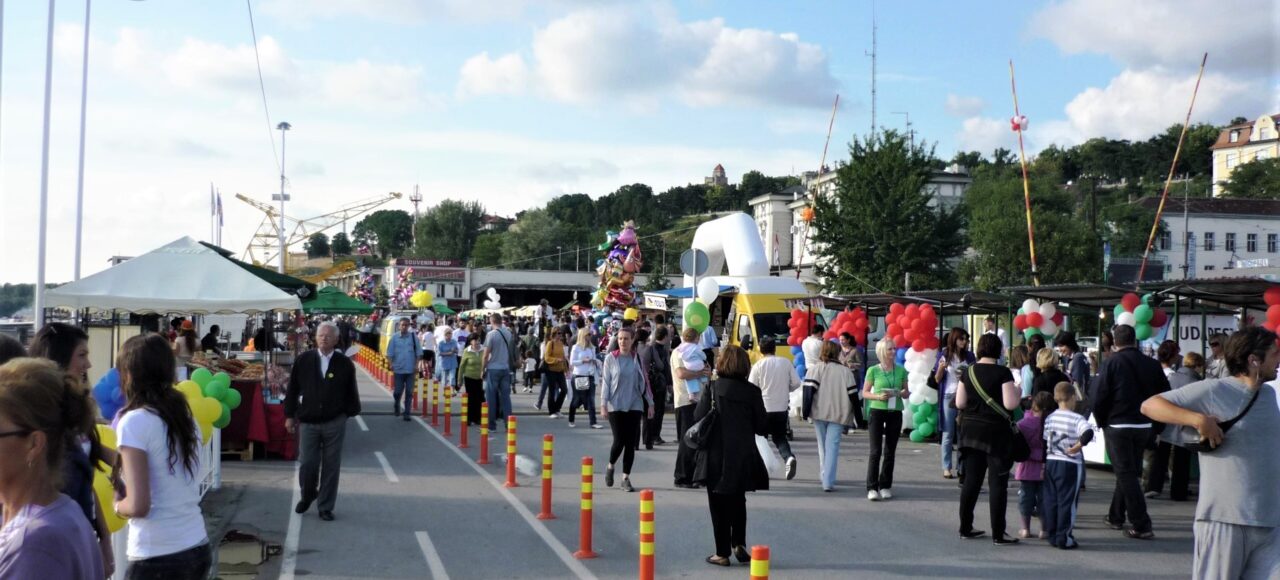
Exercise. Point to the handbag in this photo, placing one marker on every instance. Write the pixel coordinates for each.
(1019, 450)
(699, 433)
(1189, 438)
(583, 382)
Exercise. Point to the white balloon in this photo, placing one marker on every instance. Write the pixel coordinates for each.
(1047, 310)
(931, 397)
(1126, 318)
(708, 289)
(1050, 328)
(1030, 305)
(916, 398)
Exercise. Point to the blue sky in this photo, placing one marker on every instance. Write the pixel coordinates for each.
(511, 102)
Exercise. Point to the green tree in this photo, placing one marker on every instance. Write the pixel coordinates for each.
(487, 252)
(448, 231)
(1258, 179)
(387, 231)
(340, 244)
(531, 243)
(879, 226)
(317, 245)
(970, 160)
(15, 297)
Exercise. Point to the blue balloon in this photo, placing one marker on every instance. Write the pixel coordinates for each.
(901, 358)
(108, 394)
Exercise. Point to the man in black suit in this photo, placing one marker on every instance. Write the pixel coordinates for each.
(322, 394)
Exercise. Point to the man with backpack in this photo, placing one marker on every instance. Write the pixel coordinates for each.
(404, 352)
(501, 359)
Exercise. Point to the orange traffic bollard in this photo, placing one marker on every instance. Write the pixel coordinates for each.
(548, 449)
(484, 434)
(584, 519)
(448, 413)
(463, 424)
(646, 534)
(511, 453)
(435, 404)
(759, 562)
(422, 396)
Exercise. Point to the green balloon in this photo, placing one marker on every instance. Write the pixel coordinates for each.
(224, 377)
(232, 398)
(1146, 298)
(1119, 309)
(224, 419)
(215, 390)
(696, 316)
(1143, 314)
(202, 377)
(917, 436)
(920, 416)
(1031, 331)
(926, 429)
(1143, 330)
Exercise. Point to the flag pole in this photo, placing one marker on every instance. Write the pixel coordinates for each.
(1018, 126)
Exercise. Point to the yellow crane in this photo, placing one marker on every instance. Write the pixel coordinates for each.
(264, 247)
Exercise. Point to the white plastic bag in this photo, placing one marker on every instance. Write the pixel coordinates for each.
(772, 461)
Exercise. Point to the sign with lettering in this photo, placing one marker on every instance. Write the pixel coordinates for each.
(421, 263)
(1189, 332)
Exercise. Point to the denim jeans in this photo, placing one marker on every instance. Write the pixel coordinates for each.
(585, 399)
(497, 392)
(828, 450)
(404, 387)
(189, 564)
(948, 428)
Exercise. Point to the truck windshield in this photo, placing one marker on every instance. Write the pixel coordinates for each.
(773, 324)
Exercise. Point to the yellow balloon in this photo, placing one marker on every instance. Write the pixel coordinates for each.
(205, 410)
(206, 431)
(190, 389)
(631, 314)
(106, 495)
(107, 436)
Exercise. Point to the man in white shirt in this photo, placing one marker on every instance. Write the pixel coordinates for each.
(776, 378)
(989, 327)
(812, 346)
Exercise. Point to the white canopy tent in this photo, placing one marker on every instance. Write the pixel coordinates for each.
(181, 277)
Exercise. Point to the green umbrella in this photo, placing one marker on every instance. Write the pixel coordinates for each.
(442, 308)
(330, 300)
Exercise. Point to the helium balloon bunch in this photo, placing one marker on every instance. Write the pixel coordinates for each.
(913, 329)
(421, 299)
(1272, 298)
(914, 326)
(494, 300)
(800, 322)
(617, 270)
(1138, 313)
(216, 398)
(364, 287)
(102, 488)
(1036, 318)
(400, 298)
(853, 322)
(696, 314)
(109, 395)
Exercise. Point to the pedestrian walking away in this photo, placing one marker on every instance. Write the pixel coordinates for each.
(321, 396)
(500, 362)
(777, 379)
(829, 408)
(404, 354)
(655, 359)
(729, 463)
(624, 396)
(985, 398)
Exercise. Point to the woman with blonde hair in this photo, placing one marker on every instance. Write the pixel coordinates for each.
(830, 409)
(1050, 375)
(585, 367)
(886, 388)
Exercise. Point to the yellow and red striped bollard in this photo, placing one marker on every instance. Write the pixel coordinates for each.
(435, 404)
(464, 425)
(448, 413)
(646, 534)
(422, 395)
(511, 453)
(585, 510)
(759, 562)
(548, 450)
(484, 434)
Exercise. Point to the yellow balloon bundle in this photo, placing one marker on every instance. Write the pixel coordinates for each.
(102, 482)
(205, 410)
(421, 299)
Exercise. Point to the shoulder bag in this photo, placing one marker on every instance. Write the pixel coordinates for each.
(1018, 449)
(699, 433)
(1188, 437)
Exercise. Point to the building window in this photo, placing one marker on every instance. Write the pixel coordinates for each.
(1208, 241)
(1235, 135)
(1251, 243)
(457, 290)
(1272, 242)
(1208, 268)
(1165, 240)
(1260, 155)
(1230, 246)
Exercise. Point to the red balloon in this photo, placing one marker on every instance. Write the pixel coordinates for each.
(829, 335)
(908, 335)
(1273, 314)
(934, 343)
(862, 340)
(913, 310)
(1129, 301)
(894, 330)
(927, 310)
(793, 341)
(1159, 318)
(896, 308)
(1058, 318)
(918, 345)
(1272, 296)
(1034, 319)
(1020, 322)
(862, 324)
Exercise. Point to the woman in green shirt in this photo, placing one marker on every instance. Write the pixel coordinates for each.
(885, 388)
(471, 370)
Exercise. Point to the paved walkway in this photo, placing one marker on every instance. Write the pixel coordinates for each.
(412, 506)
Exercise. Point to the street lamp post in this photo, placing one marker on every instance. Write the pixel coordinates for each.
(283, 197)
(38, 306)
(559, 255)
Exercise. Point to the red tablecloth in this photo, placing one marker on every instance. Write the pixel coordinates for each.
(249, 420)
(281, 443)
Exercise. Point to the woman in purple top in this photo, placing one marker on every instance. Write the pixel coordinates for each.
(45, 534)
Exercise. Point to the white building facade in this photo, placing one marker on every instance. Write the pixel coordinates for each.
(1228, 237)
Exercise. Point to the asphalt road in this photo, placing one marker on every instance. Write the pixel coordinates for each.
(431, 512)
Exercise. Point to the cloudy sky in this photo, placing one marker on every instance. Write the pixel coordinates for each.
(511, 102)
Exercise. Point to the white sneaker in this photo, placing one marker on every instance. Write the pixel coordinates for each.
(886, 494)
(597, 426)
(873, 495)
(791, 467)
(554, 416)
(571, 425)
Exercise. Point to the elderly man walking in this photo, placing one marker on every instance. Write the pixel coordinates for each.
(403, 352)
(322, 394)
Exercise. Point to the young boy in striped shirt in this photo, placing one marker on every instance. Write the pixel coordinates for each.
(1065, 434)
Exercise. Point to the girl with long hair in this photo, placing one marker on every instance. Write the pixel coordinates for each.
(159, 452)
(952, 362)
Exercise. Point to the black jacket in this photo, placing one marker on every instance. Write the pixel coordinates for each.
(312, 398)
(730, 462)
(1047, 380)
(656, 360)
(1127, 378)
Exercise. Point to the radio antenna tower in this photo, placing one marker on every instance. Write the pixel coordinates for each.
(872, 54)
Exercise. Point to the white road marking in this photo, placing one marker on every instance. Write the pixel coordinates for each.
(560, 550)
(290, 562)
(433, 557)
(360, 421)
(386, 467)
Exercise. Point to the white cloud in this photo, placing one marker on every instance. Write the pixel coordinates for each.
(639, 54)
(571, 172)
(1239, 35)
(481, 75)
(413, 11)
(373, 85)
(984, 135)
(960, 106)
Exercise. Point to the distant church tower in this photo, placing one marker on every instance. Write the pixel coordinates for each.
(717, 177)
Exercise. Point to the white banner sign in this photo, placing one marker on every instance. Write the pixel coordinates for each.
(1189, 337)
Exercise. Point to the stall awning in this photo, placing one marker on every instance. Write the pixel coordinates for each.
(330, 300)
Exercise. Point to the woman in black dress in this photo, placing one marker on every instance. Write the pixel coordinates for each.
(986, 439)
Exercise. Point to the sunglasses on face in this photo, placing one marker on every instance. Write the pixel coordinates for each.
(17, 433)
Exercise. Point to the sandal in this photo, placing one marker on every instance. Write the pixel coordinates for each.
(717, 561)
(1136, 535)
(948, 474)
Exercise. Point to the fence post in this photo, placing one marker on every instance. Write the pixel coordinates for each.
(584, 519)
(484, 434)
(463, 424)
(646, 534)
(448, 413)
(435, 403)
(759, 562)
(511, 453)
(548, 451)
